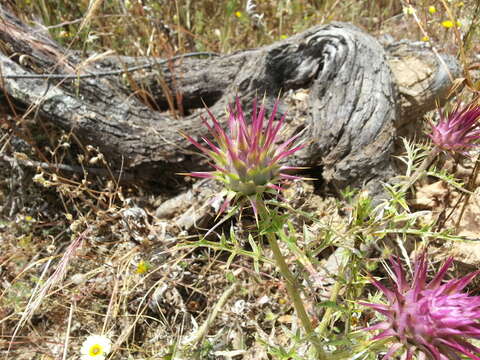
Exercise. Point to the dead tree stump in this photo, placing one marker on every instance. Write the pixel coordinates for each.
(359, 93)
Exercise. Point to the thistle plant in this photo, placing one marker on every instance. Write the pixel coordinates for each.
(247, 160)
(431, 319)
(456, 132)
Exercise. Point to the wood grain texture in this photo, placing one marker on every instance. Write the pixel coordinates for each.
(356, 101)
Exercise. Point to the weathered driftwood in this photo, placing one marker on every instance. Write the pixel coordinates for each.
(355, 98)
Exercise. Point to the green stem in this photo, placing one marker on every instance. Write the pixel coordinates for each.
(329, 311)
(372, 348)
(293, 292)
(421, 169)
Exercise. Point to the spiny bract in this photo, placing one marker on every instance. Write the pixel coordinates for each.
(433, 320)
(457, 131)
(247, 157)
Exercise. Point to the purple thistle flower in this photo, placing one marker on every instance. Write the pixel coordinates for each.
(246, 158)
(457, 131)
(435, 319)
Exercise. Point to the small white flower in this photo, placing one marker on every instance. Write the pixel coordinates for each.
(95, 347)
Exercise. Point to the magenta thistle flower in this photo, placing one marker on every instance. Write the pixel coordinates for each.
(457, 131)
(434, 319)
(247, 157)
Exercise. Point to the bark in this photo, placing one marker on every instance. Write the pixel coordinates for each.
(359, 93)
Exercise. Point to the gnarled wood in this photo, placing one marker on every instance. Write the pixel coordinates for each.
(354, 98)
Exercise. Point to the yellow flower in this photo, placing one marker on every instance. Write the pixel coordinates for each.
(432, 9)
(95, 347)
(460, 4)
(64, 34)
(283, 37)
(142, 267)
(238, 14)
(425, 38)
(447, 24)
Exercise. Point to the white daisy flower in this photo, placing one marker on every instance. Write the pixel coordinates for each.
(95, 347)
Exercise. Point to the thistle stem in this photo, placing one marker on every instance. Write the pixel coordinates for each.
(420, 172)
(293, 292)
(329, 311)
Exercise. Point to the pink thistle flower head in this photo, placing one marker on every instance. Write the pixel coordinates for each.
(246, 157)
(457, 131)
(434, 319)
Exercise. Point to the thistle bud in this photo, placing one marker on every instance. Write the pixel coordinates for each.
(246, 157)
(457, 131)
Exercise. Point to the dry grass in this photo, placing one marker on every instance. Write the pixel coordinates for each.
(81, 255)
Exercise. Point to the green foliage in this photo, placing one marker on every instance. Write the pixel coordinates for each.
(290, 352)
(17, 297)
